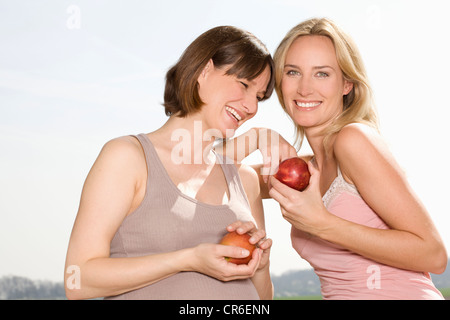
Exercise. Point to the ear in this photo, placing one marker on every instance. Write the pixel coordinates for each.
(348, 86)
(208, 67)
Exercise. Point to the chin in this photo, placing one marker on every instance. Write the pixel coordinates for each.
(229, 133)
(228, 130)
(219, 133)
(303, 120)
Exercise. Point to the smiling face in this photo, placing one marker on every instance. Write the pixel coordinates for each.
(229, 101)
(312, 84)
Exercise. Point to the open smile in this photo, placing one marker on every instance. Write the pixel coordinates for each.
(307, 105)
(234, 114)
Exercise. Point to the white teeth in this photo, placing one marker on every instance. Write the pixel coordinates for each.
(307, 104)
(234, 113)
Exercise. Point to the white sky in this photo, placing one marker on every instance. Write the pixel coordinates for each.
(65, 91)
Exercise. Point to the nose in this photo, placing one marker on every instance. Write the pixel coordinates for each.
(305, 87)
(250, 105)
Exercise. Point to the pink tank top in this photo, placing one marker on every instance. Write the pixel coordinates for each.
(346, 275)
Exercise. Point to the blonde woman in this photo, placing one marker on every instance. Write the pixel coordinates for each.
(359, 224)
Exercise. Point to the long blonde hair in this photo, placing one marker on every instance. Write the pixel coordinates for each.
(358, 104)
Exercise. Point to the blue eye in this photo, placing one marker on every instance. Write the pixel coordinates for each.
(293, 73)
(322, 74)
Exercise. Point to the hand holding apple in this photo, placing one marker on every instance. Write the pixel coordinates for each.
(258, 237)
(294, 173)
(238, 240)
(304, 210)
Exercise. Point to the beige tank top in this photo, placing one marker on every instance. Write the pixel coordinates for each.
(168, 220)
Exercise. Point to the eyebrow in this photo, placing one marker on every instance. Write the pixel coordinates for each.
(323, 67)
(316, 67)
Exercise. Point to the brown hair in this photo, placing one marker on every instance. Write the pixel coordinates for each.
(246, 56)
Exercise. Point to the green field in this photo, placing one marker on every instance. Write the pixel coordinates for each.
(300, 298)
(445, 292)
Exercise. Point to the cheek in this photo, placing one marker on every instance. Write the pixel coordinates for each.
(287, 85)
(229, 91)
(214, 91)
(332, 90)
(288, 88)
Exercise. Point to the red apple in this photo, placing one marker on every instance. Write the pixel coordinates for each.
(238, 240)
(294, 173)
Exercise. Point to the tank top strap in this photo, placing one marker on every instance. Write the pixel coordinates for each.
(234, 182)
(339, 173)
(348, 186)
(155, 168)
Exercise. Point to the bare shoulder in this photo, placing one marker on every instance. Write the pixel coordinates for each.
(120, 157)
(357, 138)
(127, 146)
(123, 151)
(116, 176)
(356, 132)
(359, 147)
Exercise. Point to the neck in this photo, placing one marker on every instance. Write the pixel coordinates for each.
(188, 140)
(315, 140)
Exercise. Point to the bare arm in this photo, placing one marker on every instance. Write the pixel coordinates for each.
(273, 147)
(261, 278)
(412, 242)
